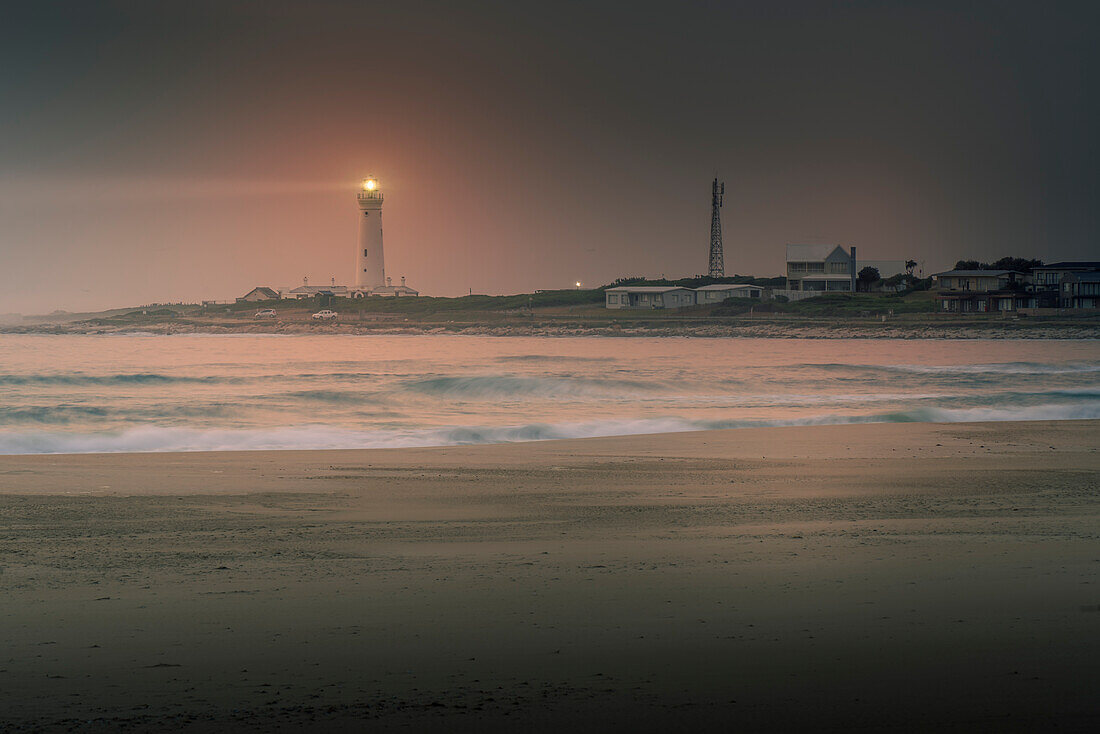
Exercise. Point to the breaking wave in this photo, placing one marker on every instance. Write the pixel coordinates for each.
(159, 439)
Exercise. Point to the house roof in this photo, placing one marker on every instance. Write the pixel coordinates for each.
(726, 287)
(1086, 264)
(646, 289)
(812, 253)
(265, 290)
(319, 289)
(977, 273)
(393, 289)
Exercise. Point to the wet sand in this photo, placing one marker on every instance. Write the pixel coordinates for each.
(899, 577)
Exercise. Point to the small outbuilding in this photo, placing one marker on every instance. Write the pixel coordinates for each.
(261, 293)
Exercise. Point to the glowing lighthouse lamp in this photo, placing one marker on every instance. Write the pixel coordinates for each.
(370, 272)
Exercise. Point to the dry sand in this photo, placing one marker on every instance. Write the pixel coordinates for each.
(874, 577)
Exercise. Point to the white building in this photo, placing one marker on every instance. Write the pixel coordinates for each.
(370, 265)
(662, 296)
(391, 290)
(829, 268)
(720, 292)
(370, 257)
(820, 268)
(370, 271)
(305, 290)
(649, 296)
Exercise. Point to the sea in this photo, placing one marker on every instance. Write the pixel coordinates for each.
(126, 393)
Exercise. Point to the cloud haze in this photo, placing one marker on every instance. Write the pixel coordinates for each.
(164, 152)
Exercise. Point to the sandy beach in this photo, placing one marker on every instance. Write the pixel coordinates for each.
(885, 577)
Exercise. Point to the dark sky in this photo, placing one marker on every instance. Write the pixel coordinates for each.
(156, 151)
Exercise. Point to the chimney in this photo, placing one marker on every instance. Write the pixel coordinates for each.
(334, 280)
(852, 267)
(305, 280)
(389, 281)
(402, 281)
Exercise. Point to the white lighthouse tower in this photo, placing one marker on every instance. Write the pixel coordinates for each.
(371, 270)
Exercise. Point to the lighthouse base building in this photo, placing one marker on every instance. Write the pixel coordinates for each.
(389, 289)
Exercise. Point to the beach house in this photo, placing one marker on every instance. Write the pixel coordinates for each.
(1061, 282)
(1080, 290)
(820, 268)
(980, 291)
(649, 296)
(720, 292)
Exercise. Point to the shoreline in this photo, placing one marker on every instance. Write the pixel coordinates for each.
(661, 436)
(891, 577)
(776, 442)
(1082, 327)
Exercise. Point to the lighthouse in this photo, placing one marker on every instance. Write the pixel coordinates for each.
(371, 270)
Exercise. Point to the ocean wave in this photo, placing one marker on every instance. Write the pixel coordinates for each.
(78, 378)
(51, 414)
(994, 368)
(333, 397)
(505, 386)
(159, 439)
(550, 358)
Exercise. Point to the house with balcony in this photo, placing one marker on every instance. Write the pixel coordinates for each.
(1080, 290)
(820, 268)
(1052, 278)
(983, 291)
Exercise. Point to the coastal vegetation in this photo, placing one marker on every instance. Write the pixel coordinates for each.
(1019, 264)
(908, 313)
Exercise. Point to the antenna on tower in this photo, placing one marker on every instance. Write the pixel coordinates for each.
(717, 261)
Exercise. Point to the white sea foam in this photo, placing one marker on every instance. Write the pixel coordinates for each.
(76, 394)
(158, 439)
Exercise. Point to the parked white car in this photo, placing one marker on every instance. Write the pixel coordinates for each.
(325, 315)
(267, 313)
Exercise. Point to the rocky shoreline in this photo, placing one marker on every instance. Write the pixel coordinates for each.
(1085, 329)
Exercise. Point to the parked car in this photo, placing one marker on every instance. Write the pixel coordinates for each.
(325, 315)
(267, 313)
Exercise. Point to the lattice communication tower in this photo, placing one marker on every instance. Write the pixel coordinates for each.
(717, 261)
